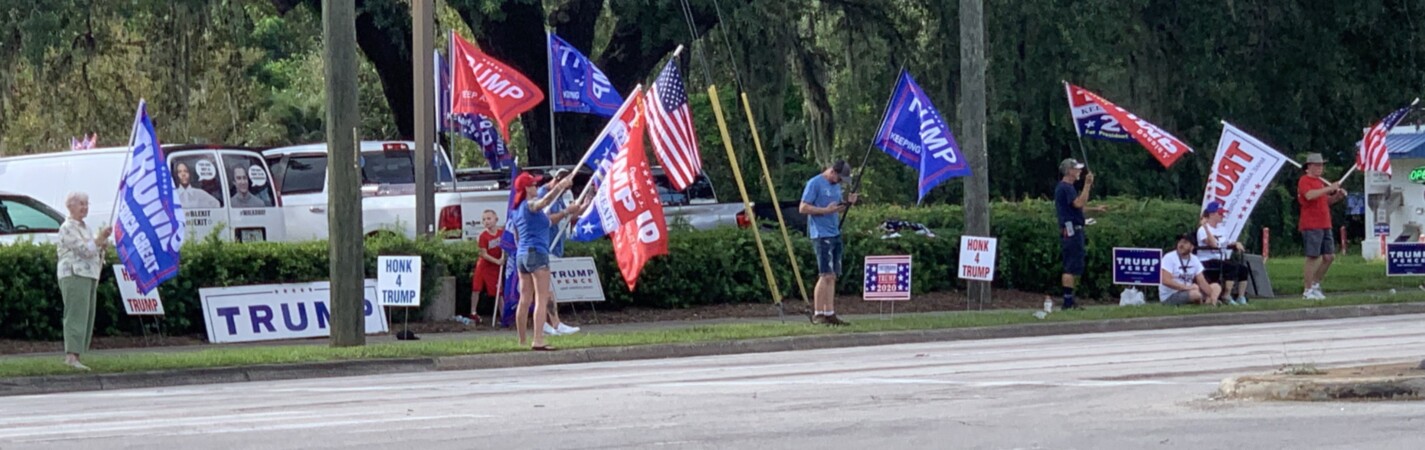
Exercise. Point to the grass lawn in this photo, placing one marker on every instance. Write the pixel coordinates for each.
(247, 356)
(1349, 273)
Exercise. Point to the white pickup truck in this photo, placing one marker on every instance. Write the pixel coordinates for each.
(696, 207)
(388, 202)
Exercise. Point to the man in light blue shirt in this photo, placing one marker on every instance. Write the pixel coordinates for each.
(822, 204)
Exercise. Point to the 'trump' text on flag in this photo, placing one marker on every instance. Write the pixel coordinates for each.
(916, 134)
(482, 85)
(627, 204)
(1241, 172)
(148, 228)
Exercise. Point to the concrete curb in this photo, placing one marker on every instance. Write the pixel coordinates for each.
(77, 383)
(1305, 388)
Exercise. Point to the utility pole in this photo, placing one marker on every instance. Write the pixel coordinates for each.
(973, 106)
(422, 67)
(348, 322)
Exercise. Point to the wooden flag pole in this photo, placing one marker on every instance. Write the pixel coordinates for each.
(742, 188)
(776, 205)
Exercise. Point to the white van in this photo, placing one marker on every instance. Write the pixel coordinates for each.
(226, 186)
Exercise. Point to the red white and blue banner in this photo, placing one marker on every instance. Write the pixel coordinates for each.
(887, 278)
(616, 135)
(1099, 118)
(1241, 172)
(578, 85)
(914, 133)
(148, 228)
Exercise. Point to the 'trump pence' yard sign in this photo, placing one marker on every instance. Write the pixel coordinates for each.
(977, 258)
(399, 281)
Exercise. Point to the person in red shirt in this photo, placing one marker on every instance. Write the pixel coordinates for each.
(485, 280)
(1315, 195)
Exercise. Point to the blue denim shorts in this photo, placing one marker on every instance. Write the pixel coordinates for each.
(532, 262)
(829, 252)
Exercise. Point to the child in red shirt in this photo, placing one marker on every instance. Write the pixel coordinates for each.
(485, 280)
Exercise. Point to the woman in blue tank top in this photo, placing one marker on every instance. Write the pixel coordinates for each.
(532, 258)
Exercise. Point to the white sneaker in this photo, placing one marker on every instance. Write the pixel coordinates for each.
(551, 331)
(565, 329)
(1242, 300)
(1313, 294)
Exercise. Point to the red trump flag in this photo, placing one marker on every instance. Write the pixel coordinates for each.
(485, 86)
(627, 203)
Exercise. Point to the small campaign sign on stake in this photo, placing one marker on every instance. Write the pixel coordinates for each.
(135, 303)
(1405, 259)
(887, 278)
(977, 258)
(398, 281)
(1136, 266)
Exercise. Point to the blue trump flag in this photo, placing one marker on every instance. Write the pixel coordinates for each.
(601, 157)
(578, 85)
(915, 134)
(509, 243)
(477, 128)
(148, 229)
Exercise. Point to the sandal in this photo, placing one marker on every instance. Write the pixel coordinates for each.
(543, 348)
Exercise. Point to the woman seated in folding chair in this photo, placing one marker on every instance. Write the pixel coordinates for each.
(1216, 256)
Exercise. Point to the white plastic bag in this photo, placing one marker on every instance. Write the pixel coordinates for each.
(1131, 297)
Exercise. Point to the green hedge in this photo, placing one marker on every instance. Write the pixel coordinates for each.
(704, 267)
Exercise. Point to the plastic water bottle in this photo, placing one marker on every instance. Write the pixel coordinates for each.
(1048, 304)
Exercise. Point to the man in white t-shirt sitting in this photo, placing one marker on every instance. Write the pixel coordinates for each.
(1180, 279)
(1215, 251)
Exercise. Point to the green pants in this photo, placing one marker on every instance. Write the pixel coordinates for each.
(79, 307)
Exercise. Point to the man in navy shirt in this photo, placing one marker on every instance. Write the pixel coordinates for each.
(821, 203)
(1069, 204)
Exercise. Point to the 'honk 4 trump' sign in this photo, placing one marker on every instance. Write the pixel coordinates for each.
(398, 282)
(1136, 266)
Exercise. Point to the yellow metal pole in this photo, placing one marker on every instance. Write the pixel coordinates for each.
(772, 189)
(741, 187)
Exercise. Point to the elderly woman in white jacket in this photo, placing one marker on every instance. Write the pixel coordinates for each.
(81, 255)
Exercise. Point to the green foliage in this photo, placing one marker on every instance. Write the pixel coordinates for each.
(33, 307)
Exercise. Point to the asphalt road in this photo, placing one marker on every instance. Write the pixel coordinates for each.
(1131, 390)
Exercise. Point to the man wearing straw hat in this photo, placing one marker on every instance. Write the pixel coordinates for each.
(1315, 195)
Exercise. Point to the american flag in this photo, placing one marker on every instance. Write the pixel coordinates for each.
(1374, 155)
(672, 128)
(887, 278)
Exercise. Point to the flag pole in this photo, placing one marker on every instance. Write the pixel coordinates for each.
(549, 55)
(856, 188)
(762, 157)
(1077, 132)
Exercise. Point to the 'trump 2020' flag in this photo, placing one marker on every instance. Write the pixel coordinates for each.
(1099, 118)
(915, 133)
(627, 205)
(579, 86)
(1374, 156)
(485, 86)
(1241, 173)
(148, 230)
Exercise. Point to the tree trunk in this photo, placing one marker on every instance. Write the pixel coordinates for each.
(348, 326)
(972, 116)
